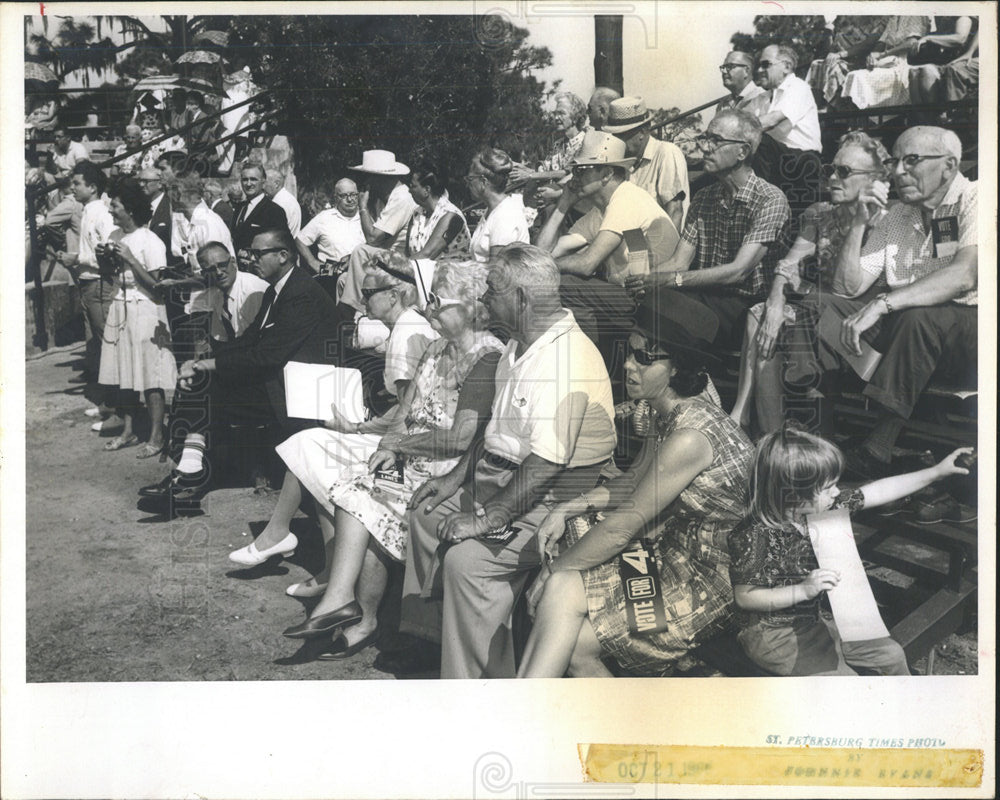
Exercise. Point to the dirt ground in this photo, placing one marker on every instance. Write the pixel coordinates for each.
(118, 594)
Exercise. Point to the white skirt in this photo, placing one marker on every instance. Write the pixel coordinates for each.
(135, 353)
(321, 458)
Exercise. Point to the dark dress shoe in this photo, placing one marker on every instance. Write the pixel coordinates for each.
(426, 658)
(324, 623)
(341, 649)
(178, 485)
(860, 464)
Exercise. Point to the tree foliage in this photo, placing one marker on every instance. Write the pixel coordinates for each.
(420, 86)
(75, 46)
(807, 34)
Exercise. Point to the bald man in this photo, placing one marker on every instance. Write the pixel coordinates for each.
(737, 77)
(129, 165)
(600, 102)
(913, 273)
(334, 231)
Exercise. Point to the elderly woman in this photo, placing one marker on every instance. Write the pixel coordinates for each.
(857, 181)
(438, 229)
(572, 121)
(686, 490)
(136, 355)
(320, 457)
(439, 417)
(504, 221)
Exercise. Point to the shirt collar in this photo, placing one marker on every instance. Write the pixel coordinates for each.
(281, 283)
(958, 186)
(560, 327)
(252, 204)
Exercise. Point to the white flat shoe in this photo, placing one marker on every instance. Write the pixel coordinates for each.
(107, 424)
(94, 411)
(250, 556)
(309, 588)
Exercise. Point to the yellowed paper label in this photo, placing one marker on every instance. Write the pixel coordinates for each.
(782, 766)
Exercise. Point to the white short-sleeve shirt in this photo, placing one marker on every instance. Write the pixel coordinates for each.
(503, 225)
(405, 347)
(794, 99)
(532, 394)
(334, 234)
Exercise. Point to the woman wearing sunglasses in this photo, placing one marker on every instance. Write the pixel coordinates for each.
(857, 183)
(680, 498)
(437, 419)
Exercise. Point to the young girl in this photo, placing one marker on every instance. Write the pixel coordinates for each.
(776, 579)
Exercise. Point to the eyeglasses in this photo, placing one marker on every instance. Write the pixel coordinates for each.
(255, 255)
(710, 142)
(768, 64)
(436, 302)
(348, 196)
(844, 172)
(369, 292)
(910, 161)
(579, 169)
(644, 357)
(471, 178)
(731, 67)
(214, 269)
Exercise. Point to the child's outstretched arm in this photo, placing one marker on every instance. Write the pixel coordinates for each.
(762, 598)
(887, 490)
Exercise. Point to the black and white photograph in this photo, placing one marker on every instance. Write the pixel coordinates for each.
(371, 347)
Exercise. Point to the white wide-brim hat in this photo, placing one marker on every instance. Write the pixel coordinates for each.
(602, 149)
(381, 162)
(626, 113)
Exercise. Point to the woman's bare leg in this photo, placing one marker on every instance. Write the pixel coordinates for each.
(745, 387)
(157, 404)
(281, 518)
(562, 611)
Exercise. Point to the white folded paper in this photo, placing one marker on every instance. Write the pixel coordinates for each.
(854, 608)
(311, 390)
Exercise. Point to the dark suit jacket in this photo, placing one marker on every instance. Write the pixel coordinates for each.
(162, 222)
(301, 326)
(224, 210)
(266, 214)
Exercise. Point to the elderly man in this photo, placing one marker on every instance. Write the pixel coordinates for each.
(737, 77)
(660, 167)
(788, 155)
(385, 207)
(334, 231)
(600, 102)
(257, 212)
(274, 187)
(216, 202)
(162, 221)
(620, 208)
(735, 232)
(472, 531)
(130, 164)
(246, 386)
(913, 275)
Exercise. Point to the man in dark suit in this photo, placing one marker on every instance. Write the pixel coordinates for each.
(218, 203)
(152, 184)
(258, 212)
(243, 382)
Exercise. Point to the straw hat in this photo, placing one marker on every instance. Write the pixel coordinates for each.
(626, 113)
(381, 162)
(603, 149)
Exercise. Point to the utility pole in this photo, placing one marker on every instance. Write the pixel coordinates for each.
(608, 52)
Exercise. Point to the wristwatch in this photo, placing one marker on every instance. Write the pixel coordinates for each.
(884, 297)
(678, 279)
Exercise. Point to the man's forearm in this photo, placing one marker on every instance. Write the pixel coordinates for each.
(527, 487)
(940, 286)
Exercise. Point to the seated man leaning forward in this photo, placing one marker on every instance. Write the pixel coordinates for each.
(245, 375)
(603, 308)
(472, 531)
(913, 277)
(734, 234)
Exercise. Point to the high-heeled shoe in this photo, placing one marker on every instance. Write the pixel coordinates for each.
(325, 623)
(250, 556)
(304, 589)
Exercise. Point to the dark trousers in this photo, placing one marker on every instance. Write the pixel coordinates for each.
(798, 173)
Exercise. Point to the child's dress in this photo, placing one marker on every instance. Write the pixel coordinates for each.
(800, 639)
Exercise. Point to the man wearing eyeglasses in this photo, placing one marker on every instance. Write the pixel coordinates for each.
(788, 155)
(735, 232)
(334, 231)
(913, 276)
(737, 77)
(245, 375)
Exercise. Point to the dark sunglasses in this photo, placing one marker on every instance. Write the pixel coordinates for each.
(644, 357)
(844, 172)
(256, 254)
(370, 292)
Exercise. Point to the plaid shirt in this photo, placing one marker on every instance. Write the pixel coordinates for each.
(718, 226)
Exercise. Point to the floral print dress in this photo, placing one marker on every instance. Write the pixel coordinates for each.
(438, 382)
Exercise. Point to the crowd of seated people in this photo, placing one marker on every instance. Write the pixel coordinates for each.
(511, 370)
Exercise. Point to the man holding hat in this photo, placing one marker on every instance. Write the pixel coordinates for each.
(659, 167)
(603, 308)
(385, 207)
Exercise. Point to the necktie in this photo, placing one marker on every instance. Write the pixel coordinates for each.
(266, 303)
(227, 321)
(243, 214)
